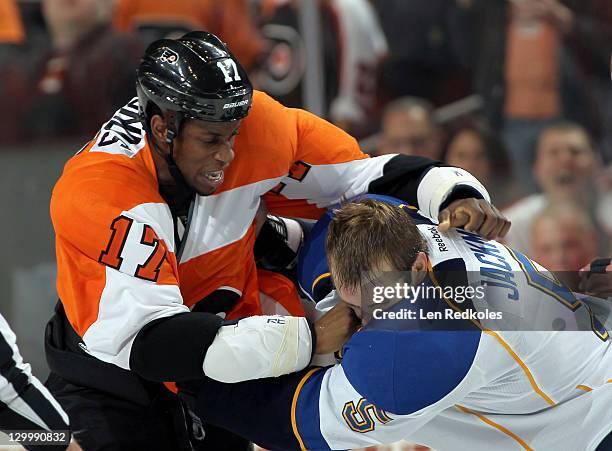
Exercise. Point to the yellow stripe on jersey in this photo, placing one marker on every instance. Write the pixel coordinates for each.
(495, 335)
(522, 364)
(296, 395)
(496, 426)
(587, 388)
(318, 279)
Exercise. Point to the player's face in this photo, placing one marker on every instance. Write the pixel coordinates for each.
(352, 297)
(202, 151)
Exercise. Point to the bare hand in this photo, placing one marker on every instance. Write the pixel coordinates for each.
(334, 328)
(474, 215)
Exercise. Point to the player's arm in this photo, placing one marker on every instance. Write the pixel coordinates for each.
(129, 311)
(329, 167)
(387, 387)
(25, 403)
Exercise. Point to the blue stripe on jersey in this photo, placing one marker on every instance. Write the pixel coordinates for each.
(312, 262)
(307, 413)
(402, 372)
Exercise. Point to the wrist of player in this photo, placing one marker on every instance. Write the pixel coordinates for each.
(259, 346)
(441, 185)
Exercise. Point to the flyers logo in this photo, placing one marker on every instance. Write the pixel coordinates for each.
(168, 56)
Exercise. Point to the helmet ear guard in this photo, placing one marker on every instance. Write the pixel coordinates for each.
(173, 122)
(170, 135)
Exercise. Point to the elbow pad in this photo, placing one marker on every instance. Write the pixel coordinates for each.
(258, 347)
(439, 182)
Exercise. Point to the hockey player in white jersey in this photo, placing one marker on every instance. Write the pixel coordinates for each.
(517, 362)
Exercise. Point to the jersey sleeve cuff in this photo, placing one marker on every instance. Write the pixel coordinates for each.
(439, 183)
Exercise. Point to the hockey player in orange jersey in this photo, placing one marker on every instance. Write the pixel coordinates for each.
(155, 234)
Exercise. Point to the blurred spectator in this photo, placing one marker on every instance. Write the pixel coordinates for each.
(363, 48)
(566, 169)
(352, 49)
(66, 89)
(564, 240)
(429, 48)
(408, 127)
(11, 27)
(473, 147)
(532, 64)
(231, 20)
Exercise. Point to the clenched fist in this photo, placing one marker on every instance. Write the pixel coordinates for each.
(335, 327)
(474, 215)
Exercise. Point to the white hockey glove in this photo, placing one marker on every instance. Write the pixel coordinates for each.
(258, 347)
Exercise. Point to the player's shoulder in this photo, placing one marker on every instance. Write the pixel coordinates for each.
(269, 134)
(262, 99)
(405, 371)
(264, 106)
(266, 115)
(100, 186)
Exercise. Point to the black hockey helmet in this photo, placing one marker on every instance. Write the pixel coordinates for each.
(193, 77)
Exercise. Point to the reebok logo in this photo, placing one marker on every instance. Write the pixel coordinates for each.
(435, 235)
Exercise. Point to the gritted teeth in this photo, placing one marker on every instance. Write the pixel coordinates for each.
(214, 175)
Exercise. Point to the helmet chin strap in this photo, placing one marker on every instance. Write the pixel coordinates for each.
(173, 124)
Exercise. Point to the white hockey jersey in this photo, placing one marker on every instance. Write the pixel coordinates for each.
(538, 378)
(513, 383)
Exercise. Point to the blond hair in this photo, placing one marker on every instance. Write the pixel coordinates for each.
(365, 234)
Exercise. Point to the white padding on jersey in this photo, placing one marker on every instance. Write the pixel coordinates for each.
(128, 304)
(438, 183)
(258, 347)
(159, 217)
(328, 184)
(221, 219)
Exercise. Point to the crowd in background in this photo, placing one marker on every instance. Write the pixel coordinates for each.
(517, 92)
